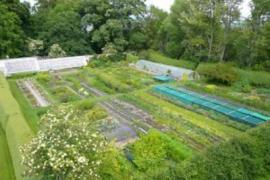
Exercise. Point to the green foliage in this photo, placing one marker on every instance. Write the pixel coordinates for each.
(244, 157)
(66, 147)
(256, 78)
(111, 22)
(62, 25)
(56, 51)
(43, 77)
(132, 58)
(96, 113)
(113, 83)
(159, 58)
(27, 110)
(86, 104)
(11, 34)
(220, 73)
(155, 148)
(63, 94)
(243, 86)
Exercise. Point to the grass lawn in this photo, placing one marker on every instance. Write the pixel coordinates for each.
(28, 111)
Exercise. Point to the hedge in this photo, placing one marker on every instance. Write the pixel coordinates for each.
(16, 128)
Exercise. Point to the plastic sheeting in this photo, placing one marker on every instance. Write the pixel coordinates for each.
(164, 70)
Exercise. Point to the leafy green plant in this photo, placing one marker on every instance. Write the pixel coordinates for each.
(219, 73)
(86, 104)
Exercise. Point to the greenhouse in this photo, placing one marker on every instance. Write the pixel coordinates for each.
(164, 70)
(33, 64)
(234, 112)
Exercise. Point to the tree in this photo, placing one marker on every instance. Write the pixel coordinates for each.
(67, 147)
(111, 22)
(63, 26)
(11, 34)
(56, 51)
(230, 15)
(35, 46)
(152, 26)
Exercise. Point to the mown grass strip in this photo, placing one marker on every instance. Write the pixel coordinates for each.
(28, 111)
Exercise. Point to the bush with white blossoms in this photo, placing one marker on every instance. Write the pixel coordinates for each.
(65, 147)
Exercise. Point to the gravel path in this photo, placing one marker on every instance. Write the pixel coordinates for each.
(41, 100)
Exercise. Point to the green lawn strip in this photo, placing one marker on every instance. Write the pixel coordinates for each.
(6, 166)
(28, 111)
(160, 58)
(16, 127)
(206, 123)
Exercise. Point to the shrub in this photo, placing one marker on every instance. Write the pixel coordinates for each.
(113, 83)
(86, 105)
(131, 58)
(43, 77)
(243, 86)
(256, 78)
(155, 148)
(244, 157)
(97, 113)
(220, 73)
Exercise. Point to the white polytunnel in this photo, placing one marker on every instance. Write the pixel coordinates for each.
(164, 70)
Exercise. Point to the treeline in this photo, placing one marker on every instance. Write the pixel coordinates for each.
(200, 31)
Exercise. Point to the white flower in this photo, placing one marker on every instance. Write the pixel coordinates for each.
(82, 159)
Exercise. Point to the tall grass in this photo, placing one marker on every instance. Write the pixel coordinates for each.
(160, 58)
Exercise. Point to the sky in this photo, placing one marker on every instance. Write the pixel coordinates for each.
(166, 4)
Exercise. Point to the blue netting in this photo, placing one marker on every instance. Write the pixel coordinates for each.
(207, 102)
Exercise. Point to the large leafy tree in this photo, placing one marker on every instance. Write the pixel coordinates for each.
(62, 26)
(11, 33)
(110, 22)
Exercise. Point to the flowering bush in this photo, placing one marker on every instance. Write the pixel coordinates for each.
(65, 147)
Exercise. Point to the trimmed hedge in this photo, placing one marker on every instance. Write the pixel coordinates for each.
(16, 128)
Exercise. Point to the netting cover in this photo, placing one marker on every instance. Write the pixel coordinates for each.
(235, 112)
(164, 70)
